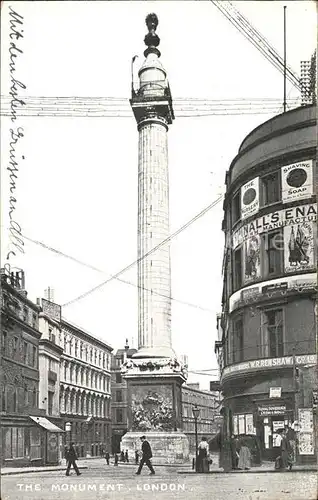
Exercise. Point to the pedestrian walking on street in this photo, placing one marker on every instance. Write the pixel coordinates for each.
(126, 456)
(71, 460)
(291, 438)
(122, 456)
(146, 456)
(136, 457)
(107, 457)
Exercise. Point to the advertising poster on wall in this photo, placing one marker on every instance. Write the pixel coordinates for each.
(275, 220)
(250, 198)
(250, 429)
(299, 247)
(252, 262)
(235, 425)
(306, 443)
(241, 424)
(297, 181)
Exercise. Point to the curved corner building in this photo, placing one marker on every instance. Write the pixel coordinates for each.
(269, 376)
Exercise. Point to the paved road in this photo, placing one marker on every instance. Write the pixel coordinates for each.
(122, 484)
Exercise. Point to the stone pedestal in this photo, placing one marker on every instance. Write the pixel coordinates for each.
(167, 447)
(154, 408)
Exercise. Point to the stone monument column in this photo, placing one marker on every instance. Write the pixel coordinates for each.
(154, 375)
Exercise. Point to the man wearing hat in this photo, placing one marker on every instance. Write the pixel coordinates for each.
(146, 456)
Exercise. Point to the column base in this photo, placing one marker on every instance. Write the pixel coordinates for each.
(154, 352)
(167, 447)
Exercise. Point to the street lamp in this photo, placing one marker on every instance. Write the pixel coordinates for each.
(68, 430)
(196, 413)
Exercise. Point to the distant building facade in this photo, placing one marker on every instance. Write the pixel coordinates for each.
(119, 397)
(85, 390)
(28, 436)
(267, 351)
(209, 417)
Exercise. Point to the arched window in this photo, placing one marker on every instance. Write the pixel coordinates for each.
(71, 372)
(26, 395)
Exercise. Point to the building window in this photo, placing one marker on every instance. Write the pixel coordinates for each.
(52, 336)
(3, 397)
(119, 396)
(119, 416)
(4, 343)
(15, 343)
(119, 378)
(25, 314)
(34, 320)
(238, 340)
(33, 360)
(26, 395)
(236, 208)
(274, 326)
(270, 188)
(50, 403)
(237, 269)
(274, 252)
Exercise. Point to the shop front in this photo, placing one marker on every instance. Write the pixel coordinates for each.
(51, 439)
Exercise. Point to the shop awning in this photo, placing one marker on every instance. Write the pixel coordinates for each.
(46, 424)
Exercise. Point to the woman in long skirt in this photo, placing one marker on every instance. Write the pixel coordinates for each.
(245, 457)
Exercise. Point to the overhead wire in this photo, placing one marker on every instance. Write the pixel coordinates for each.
(162, 243)
(74, 259)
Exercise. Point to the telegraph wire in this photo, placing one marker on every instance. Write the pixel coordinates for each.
(166, 240)
(74, 259)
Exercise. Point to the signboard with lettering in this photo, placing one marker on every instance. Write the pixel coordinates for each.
(51, 310)
(297, 181)
(299, 244)
(250, 198)
(266, 411)
(275, 220)
(306, 431)
(272, 288)
(275, 392)
(268, 363)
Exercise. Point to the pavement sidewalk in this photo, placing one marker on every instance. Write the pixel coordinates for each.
(97, 462)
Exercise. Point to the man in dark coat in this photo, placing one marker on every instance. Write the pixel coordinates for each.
(146, 456)
(71, 460)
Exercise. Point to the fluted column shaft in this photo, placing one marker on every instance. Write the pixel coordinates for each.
(154, 279)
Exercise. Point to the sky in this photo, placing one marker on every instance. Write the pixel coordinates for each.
(76, 188)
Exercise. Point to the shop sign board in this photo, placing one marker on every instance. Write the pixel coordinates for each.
(267, 411)
(51, 310)
(275, 220)
(273, 288)
(275, 392)
(257, 364)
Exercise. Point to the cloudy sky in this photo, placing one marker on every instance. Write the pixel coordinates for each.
(76, 189)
